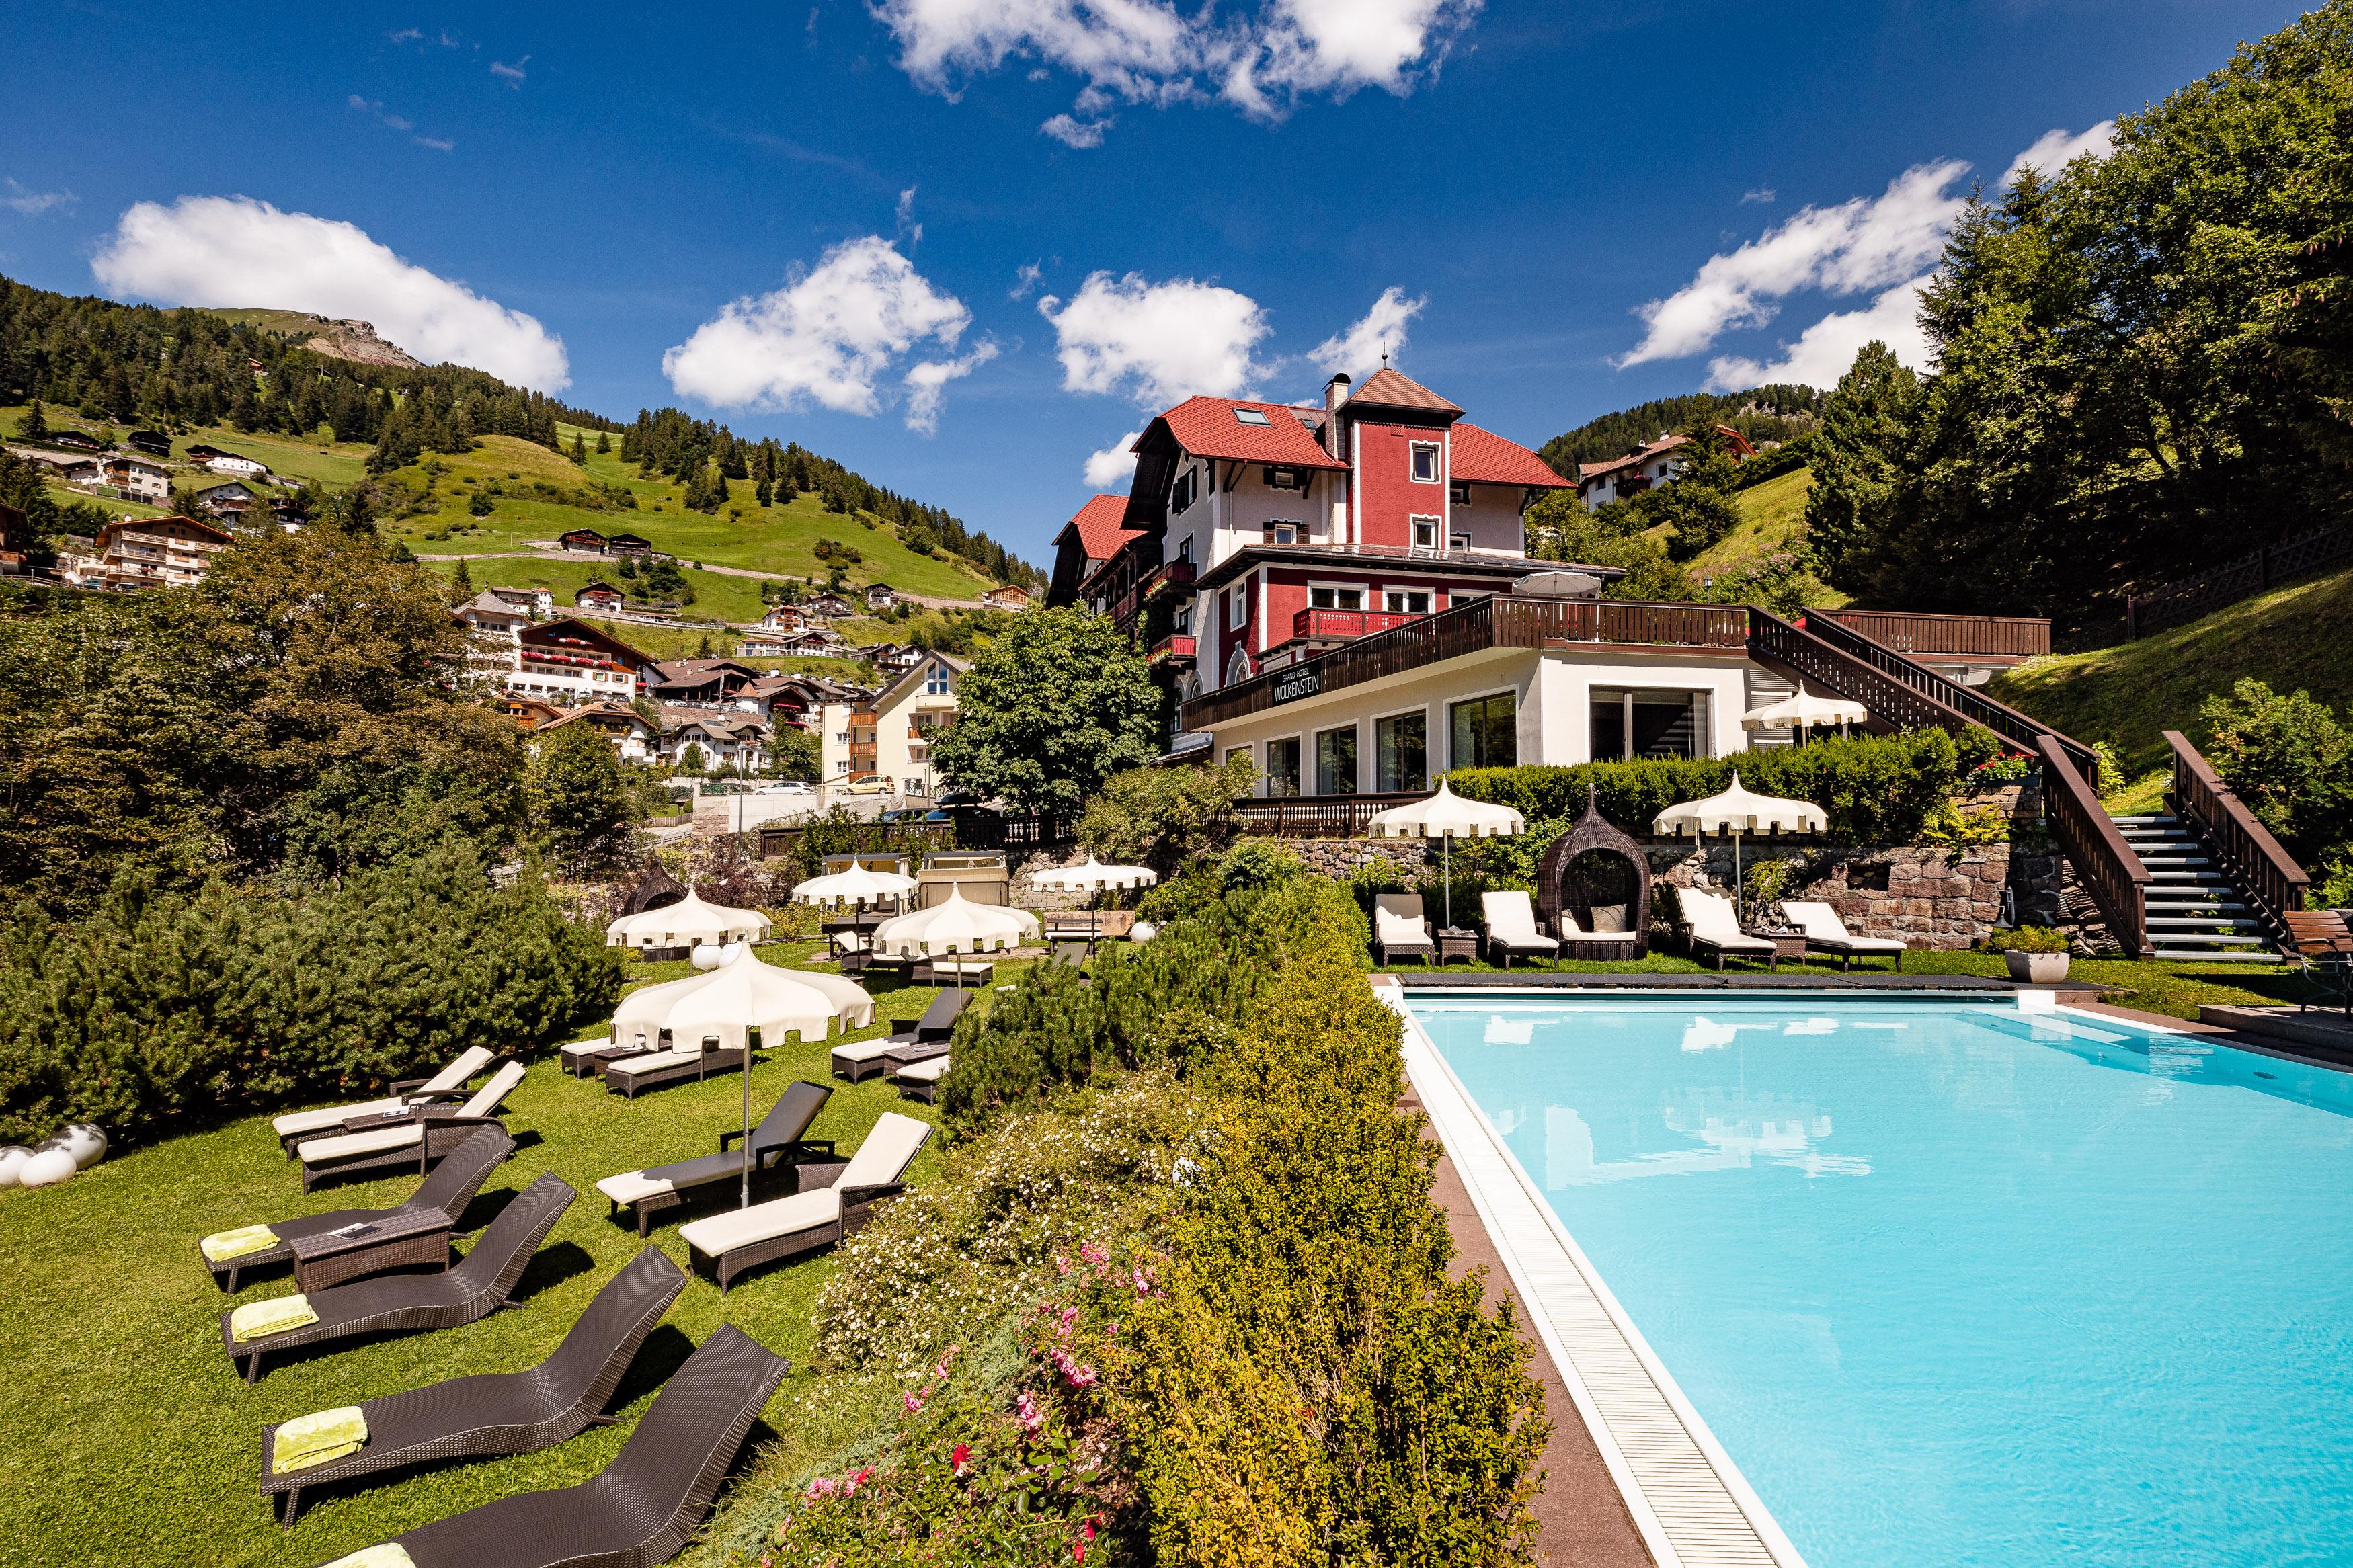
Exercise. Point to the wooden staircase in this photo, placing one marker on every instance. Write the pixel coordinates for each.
(2195, 911)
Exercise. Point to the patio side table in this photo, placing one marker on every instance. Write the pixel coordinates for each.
(1455, 941)
(1786, 944)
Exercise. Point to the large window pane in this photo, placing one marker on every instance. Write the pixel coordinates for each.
(1283, 767)
(1335, 762)
(1402, 744)
(1660, 724)
(1485, 732)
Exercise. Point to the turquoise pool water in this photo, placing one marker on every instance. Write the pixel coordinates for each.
(1956, 1285)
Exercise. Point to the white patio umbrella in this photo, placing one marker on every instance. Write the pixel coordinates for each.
(1805, 711)
(1739, 812)
(1094, 876)
(751, 994)
(687, 924)
(1447, 816)
(856, 886)
(954, 925)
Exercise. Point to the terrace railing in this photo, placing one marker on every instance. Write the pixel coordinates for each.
(2252, 574)
(1316, 815)
(1994, 636)
(2242, 847)
(1329, 624)
(2119, 883)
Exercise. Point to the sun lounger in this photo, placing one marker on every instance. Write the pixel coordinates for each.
(651, 1069)
(1825, 932)
(1401, 928)
(973, 971)
(582, 1057)
(863, 1058)
(818, 1216)
(447, 1084)
(776, 1143)
(479, 1285)
(446, 1192)
(1512, 929)
(1714, 926)
(921, 1080)
(646, 1505)
(398, 1139)
(506, 1412)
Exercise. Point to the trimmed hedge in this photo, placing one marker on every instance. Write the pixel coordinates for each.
(166, 1010)
(1875, 789)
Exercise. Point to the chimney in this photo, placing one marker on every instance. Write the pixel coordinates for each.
(1336, 393)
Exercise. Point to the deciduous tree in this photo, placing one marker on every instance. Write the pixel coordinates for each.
(1049, 711)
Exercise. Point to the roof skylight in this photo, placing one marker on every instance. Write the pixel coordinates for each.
(1251, 415)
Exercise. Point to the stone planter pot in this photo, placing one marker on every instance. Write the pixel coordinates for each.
(2040, 968)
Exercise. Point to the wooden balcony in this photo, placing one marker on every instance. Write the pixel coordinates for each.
(1475, 627)
(1343, 625)
(1171, 651)
(1164, 578)
(1989, 637)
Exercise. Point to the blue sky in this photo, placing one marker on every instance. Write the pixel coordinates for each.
(1230, 201)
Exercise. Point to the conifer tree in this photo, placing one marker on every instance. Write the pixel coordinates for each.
(603, 442)
(579, 453)
(463, 579)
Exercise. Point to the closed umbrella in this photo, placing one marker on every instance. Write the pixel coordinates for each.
(1448, 816)
(1740, 812)
(954, 925)
(1804, 710)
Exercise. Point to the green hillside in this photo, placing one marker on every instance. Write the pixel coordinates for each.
(1762, 414)
(2126, 695)
(1772, 520)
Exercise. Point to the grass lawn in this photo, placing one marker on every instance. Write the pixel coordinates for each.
(717, 597)
(1772, 520)
(317, 459)
(127, 1437)
(2176, 989)
(2299, 637)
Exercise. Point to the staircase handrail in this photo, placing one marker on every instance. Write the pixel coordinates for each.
(2019, 729)
(2110, 867)
(1805, 655)
(2243, 848)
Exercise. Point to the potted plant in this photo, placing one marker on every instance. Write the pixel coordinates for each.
(2036, 953)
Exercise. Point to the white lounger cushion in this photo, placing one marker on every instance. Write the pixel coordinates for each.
(1821, 924)
(649, 1061)
(630, 1186)
(868, 1050)
(449, 1081)
(1396, 930)
(723, 1233)
(322, 1151)
(1711, 923)
(1512, 920)
(923, 1072)
(887, 1153)
(486, 1101)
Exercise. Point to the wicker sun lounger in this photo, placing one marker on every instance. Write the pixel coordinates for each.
(864, 1058)
(582, 1057)
(477, 1287)
(447, 1084)
(1401, 929)
(396, 1141)
(834, 1201)
(921, 1080)
(1825, 932)
(645, 1506)
(1712, 925)
(503, 1412)
(447, 1190)
(776, 1145)
(653, 1069)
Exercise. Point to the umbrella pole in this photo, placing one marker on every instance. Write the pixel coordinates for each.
(744, 1200)
(1446, 857)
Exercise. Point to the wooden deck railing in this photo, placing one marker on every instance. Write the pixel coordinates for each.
(1331, 623)
(2251, 573)
(1996, 637)
(1316, 815)
(1949, 696)
(2242, 847)
(2107, 864)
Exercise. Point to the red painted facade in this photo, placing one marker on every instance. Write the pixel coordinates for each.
(1388, 496)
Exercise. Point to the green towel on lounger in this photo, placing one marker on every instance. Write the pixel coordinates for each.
(222, 1245)
(391, 1555)
(275, 1316)
(313, 1439)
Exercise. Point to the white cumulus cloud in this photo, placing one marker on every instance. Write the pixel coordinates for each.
(1824, 350)
(828, 337)
(1378, 335)
(1157, 343)
(1114, 465)
(1868, 242)
(233, 252)
(1159, 52)
(2054, 149)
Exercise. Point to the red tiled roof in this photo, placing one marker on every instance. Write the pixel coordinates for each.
(1206, 427)
(1640, 455)
(1101, 531)
(1390, 390)
(1484, 457)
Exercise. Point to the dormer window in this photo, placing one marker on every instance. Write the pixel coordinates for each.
(1425, 462)
(1250, 416)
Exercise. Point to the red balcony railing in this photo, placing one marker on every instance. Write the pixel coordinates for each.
(1169, 575)
(1170, 648)
(1339, 625)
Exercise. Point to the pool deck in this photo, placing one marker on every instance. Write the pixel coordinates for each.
(2070, 994)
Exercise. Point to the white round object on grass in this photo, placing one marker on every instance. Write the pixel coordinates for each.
(1142, 930)
(84, 1141)
(46, 1168)
(12, 1161)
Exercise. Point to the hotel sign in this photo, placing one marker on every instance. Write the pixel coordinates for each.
(1299, 684)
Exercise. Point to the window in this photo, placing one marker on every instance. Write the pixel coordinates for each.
(1458, 493)
(1425, 533)
(1282, 533)
(935, 684)
(1629, 724)
(1236, 605)
(1335, 761)
(1336, 598)
(1250, 416)
(1425, 462)
(1402, 752)
(1188, 486)
(1285, 478)
(1406, 601)
(1457, 538)
(1233, 751)
(1185, 549)
(1183, 626)
(1485, 732)
(1283, 767)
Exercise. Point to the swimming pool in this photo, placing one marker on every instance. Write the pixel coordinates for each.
(1954, 1285)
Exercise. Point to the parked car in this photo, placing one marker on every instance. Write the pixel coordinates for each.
(906, 814)
(784, 786)
(868, 784)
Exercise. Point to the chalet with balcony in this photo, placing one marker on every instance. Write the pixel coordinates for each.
(710, 682)
(158, 551)
(573, 662)
(231, 499)
(136, 479)
(1647, 466)
(539, 603)
(882, 596)
(584, 541)
(221, 462)
(727, 739)
(1010, 596)
(629, 545)
(488, 612)
(891, 733)
(636, 739)
(599, 594)
(152, 443)
(528, 712)
(783, 618)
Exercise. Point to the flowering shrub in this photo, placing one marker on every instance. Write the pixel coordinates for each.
(2007, 768)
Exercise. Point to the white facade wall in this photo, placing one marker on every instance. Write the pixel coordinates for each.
(1492, 519)
(571, 688)
(833, 741)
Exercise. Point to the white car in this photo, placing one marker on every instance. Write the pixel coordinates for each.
(786, 786)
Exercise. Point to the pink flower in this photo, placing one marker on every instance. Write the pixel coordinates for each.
(942, 1369)
(1025, 1410)
(912, 1402)
(1079, 1377)
(958, 1457)
(1062, 1264)
(1095, 1253)
(824, 1486)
